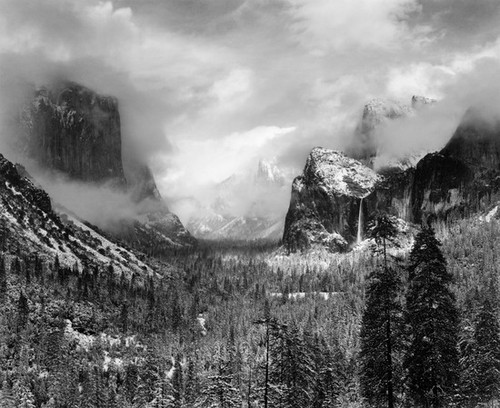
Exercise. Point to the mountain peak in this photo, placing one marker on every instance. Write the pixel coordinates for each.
(71, 129)
(417, 101)
(269, 173)
(366, 142)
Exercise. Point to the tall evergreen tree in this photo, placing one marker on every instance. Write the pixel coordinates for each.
(487, 353)
(192, 384)
(22, 312)
(3, 279)
(219, 390)
(381, 326)
(432, 321)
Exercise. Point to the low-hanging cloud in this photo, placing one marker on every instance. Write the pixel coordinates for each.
(194, 80)
(431, 127)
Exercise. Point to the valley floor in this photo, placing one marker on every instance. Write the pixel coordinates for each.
(224, 325)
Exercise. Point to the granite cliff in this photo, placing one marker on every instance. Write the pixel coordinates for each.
(326, 201)
(72, 130)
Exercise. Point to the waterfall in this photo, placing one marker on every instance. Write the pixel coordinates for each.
(360, 222)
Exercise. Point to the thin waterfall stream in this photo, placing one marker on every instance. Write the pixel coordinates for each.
(359, 237)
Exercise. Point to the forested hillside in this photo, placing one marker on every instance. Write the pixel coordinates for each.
(230, 326)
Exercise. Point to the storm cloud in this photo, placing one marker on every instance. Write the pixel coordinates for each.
(208, 87)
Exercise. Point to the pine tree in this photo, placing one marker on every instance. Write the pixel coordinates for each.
(219, 390)
(7, 397)
(380, 338)
(131, 381)
(177, 382)
(192, 383)
(330, 375)
(3, 279)
(23, 395)
(22, 312)
(432, 321)
(487, 353)
(124, 317)
(381, 326)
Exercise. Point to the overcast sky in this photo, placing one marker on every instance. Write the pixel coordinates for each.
(207, 87)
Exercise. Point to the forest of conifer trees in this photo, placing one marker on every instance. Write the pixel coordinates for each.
(239, 327)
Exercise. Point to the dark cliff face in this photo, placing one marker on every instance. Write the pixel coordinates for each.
(141, 182)
(73, 130)
(392, 194)
(439, 188)
(476, 142)
(464, 176)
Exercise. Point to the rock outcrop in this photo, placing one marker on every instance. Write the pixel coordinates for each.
(20, 181)
(366, 143)
(464, 176)
(325, 202)
(73, 130)
(476, 142)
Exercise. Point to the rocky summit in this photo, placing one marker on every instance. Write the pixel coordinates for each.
(365, 144)
(336, 197)
(73, 130)
(326, 199)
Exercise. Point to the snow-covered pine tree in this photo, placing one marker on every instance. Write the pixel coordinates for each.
(219, 391)
(3, 279)
(380, 339)
(381, 326)
(487, 353)
(432, 321)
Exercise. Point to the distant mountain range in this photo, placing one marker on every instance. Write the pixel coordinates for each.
(245, 207)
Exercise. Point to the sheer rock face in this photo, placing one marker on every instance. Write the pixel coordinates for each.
(73, 130)
(77, 132)
(141, 182)
(325, 202)
(476, 142)
(439, 188)
(462, 178)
